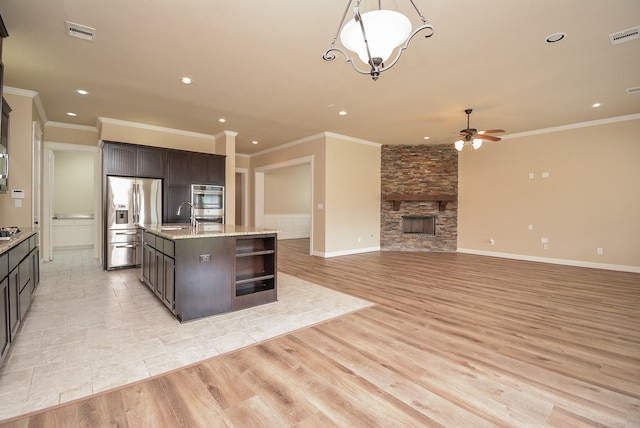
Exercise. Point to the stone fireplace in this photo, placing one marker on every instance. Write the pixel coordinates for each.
(419, 192)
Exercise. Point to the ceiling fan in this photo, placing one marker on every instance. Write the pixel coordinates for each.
(473, 137)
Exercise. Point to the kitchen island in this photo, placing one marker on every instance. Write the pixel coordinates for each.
(210, 269)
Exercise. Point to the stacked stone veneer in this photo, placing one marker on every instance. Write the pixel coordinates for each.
(419, 169)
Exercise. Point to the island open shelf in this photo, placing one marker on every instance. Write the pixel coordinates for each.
(210, 270)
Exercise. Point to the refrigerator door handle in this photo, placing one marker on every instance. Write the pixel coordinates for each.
(135, 202)
(126, 233)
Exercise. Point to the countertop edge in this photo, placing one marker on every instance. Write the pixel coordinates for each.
(25, 233)
(189, 233)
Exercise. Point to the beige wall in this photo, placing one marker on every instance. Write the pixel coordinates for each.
(289, 190)
(62, 133)
(73, 191)
(353, 196)
(20, 161)
(312, 147)
(346, 194)
(147, 135)
(590, 199)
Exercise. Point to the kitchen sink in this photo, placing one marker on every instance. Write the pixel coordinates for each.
(174, 227)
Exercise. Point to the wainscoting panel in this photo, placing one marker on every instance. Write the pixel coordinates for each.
(291, 226)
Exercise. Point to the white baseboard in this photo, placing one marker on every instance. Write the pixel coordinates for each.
(345, 252)
(579, 263)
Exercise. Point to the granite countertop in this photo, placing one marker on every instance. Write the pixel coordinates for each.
(25, 232)
(204, 230)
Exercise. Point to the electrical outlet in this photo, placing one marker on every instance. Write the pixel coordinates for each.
(545, 175)
(530, 227)
(205, 258)
(545, 246)
(544, 240)
(359, 239)
(531, 176)
(600, 250)
(491, 241)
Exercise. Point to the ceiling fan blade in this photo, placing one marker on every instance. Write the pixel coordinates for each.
(491, 131)
(489, 137)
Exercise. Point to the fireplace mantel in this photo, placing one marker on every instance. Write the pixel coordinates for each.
(419, 197)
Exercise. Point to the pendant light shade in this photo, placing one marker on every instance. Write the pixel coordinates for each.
(385, 30)
(377, 36)
(477, 142)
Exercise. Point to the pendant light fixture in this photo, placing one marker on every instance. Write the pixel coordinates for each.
(374, 36)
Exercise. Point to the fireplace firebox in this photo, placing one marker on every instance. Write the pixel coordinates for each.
(425, 224)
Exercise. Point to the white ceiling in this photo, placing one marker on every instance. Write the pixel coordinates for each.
(258, 64)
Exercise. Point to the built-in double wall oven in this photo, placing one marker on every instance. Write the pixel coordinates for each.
(208, 202)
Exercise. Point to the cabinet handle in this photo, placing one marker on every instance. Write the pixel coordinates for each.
(126, 233)
(125, 246)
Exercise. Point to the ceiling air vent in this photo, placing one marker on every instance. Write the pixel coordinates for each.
(635, 90)
(80, 31)
(625, 36)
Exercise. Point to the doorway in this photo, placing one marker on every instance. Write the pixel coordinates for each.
(48, 194)
(259, 207)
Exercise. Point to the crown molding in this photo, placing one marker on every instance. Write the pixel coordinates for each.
(598, 122)
(71, 126)
(315, 137)
(29, 94)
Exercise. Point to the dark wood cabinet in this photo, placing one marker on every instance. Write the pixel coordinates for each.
(158, 267)
(120, 159)
(134, 161)
(186, 168)
(173, 197)
(19, 276)
(14, 303)
(151, 162)
(5, 334)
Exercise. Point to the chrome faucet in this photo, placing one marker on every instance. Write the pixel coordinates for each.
(192, 212)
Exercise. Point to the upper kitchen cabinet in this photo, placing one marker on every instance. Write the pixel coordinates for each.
(186, 168)
(134, 161)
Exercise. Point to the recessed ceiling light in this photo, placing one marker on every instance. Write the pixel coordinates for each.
(82, 92)
(72, 114)
(555, 37)
(342, 113)
(186, 80)
(426, 138)
(254, 142)
(596, 105)
(222, 120)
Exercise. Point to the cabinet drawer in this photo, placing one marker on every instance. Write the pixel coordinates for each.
(4, 265)
(17, 253)
(149, 239)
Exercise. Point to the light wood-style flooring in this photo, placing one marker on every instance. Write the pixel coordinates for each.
(454, 340)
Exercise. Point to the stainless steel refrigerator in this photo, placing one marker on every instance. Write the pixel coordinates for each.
(130, 201)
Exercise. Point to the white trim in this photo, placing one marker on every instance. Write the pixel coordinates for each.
(615, 119)
(225, 134)
(69, 147)
(30, 94)
(622, 268)
(153, 128)
(346, 252)
(51, 146)
(314, 137)
(71, 126)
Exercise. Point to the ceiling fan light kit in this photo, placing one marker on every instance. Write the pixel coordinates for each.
(472, 137)
(374, 36)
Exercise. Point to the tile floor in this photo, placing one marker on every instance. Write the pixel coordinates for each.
(89, 330)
